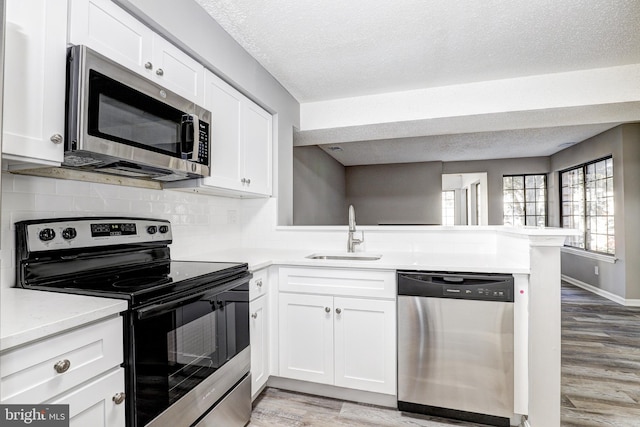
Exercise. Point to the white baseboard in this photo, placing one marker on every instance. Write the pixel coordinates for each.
(605, 294)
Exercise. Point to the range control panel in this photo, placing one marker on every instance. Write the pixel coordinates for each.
(72, 233)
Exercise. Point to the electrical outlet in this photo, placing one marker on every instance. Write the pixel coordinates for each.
(596, 270)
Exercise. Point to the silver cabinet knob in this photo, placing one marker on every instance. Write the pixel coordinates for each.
(56, 138)
(338, 311)
(159, 72)
(259, 283)
(254, 315)
(248, 181)
(243, 180)
(118, 398)
(62, 366)
(148, 65)
(327, 309)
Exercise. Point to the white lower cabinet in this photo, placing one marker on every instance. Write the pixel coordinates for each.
(79, 367)
(341, 340)
(306, 337)
(96, 404)
(259, 330)
(365, 344)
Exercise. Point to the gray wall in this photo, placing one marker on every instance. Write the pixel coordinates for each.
(319, 188)
(406, 193)
(187, 25)
(495, 169)
(623, 143)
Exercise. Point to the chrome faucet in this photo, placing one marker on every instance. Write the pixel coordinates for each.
(352, 241)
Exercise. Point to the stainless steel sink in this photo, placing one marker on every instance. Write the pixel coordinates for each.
(346, 256)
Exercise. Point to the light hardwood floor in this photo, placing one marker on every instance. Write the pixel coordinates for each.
(600, 378)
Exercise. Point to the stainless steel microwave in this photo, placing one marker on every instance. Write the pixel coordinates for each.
(120, 123)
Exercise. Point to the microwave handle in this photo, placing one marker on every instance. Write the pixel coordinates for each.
(196, 138)
(190, 137)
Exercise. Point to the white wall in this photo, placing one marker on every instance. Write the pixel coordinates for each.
(200, 223)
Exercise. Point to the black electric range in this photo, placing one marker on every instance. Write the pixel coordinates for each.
(186, 332)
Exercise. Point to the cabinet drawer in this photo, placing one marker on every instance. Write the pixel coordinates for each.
(258, 284)
(94, 404)
(29, 372)
(342, 282)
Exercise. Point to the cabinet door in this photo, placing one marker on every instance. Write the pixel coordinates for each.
(175, 70)
(365, 344)
(306, 337)
(34, 81)
(258, 332)
(111, 31)
(224, 102)
(257, 138)
(95, 403)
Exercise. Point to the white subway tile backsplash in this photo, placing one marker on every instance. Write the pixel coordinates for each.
(19, 201)
(45, 202)
(200, 223)
(33, 185)
(72, 188)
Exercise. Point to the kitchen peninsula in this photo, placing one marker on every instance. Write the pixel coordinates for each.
(531, 255)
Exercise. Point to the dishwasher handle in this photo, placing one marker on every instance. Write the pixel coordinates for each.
(482, 287)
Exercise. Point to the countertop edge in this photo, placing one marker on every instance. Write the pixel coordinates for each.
(31, 315)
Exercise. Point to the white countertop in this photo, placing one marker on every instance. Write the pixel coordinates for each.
(473, 262)
(28, 315)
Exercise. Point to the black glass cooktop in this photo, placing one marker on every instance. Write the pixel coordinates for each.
(149, 283)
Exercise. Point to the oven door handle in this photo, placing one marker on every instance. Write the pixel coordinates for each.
(165, 307)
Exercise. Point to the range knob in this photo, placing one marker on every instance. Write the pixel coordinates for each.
(69, 233)
(47, 234)
(164, 229)
(152, 229)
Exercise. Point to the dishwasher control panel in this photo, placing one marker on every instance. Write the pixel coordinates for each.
(482, 287)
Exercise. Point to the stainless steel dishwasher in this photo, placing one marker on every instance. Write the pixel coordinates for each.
(455, 345)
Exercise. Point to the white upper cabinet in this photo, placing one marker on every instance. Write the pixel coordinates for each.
(106, 28)
(34, 81)
(241, 141)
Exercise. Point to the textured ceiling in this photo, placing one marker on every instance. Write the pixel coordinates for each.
(331, 49)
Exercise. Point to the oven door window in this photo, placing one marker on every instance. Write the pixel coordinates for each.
(175, 350)
(122, 114)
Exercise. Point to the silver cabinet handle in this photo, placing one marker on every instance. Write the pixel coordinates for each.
(62, 366)
(159, 72)
(243, 180)
(148, 65)
(327, 309)
(254, 315)
(259, 283)
(248, 181)
(118, 398)
(338, 311)
(56, 138)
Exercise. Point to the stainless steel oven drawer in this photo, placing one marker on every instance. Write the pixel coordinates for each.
(232, 411)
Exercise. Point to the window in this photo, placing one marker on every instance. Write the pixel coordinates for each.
(525, 200)
(448, 207)
(587, 205)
